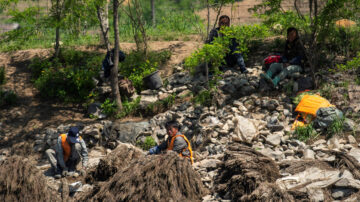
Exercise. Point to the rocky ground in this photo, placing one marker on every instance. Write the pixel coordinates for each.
(243, 145)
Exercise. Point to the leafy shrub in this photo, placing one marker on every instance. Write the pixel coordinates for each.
(67, 78)
(7, 98)
(109, 108)
(215, 52)
(136, 66)
(350, 65)
(204, 98)
(2, 75)
(159, 106)
(147, 144)
(129, 108)
(304, 133)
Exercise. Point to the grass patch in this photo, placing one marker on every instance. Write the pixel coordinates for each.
(336, 128)
(305, 133)
(204, 98)
(148, 143)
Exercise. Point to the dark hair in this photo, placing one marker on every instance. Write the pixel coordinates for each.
(173, 124)
(290, 29)
(224, 17)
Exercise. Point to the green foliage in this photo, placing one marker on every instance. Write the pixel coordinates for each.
(136, 67)
(2, 75)
(215, 52)
(327, 90)
(159, 106)
(204, 98)
(67, 78)
(147, 144)
(7, 98)
(305, 133)
(109, 108)
(129, 108)
(350, 65)
(336, 127)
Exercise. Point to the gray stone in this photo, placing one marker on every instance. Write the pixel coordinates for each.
(244, 129)
(287, 112)
(333, 143)
(355, 153)
(339, 193)
(321, 141)
(126, 132)
(275, 127)
(147, 99)
(309, 154)
(347, 182)
(209, 164)
(316, 195)
(274, 139)
(349, 125)
(351, 139)
(94, 109)
(51, 133)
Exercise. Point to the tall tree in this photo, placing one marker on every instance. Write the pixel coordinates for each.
(102, 10)
(114, 70)
(153, 16)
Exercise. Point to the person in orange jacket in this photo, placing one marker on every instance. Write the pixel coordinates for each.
(175, 142)
(69, 149)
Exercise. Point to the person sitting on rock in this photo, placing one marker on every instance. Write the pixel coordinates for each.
(66, 156)
(232, 59)
(108, 62)
(292, 60)
(175, 142)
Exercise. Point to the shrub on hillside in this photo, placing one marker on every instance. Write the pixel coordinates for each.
(2, 75)
(67, 78)
(136, 66)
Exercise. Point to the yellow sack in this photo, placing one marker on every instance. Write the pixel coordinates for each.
(307, 109)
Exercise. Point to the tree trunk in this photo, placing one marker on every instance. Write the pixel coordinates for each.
(153, 12)
(57, 34)
(103, 16)
(57, 42)
(114, 70)
(208, 20)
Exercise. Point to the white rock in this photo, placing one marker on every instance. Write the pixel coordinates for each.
(274, 139)
(244, 129)
(355, 153)
(351, 139)
(309, 154)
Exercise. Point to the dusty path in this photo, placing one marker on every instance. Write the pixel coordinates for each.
(33, 115)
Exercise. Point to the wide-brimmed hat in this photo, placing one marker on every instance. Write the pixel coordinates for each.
(73, 135)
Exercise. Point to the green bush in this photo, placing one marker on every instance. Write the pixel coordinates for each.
(204, 98)
(136, 66)
(109, 108)
(147, 144)
(2, 75)
(67, 78)
(7, 98)
(215, 52)
(129, 108)
(305, 133)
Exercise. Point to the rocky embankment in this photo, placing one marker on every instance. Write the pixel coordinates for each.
(243, 147)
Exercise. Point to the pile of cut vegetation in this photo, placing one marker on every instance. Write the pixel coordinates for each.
(117, 160)
(152, 178)
(20, 180)
(248, 175)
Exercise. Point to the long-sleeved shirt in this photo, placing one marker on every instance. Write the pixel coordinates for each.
(60, 156)
(294, 52)
(179, 145)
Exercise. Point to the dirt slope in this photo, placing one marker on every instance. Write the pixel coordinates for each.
(32, 114)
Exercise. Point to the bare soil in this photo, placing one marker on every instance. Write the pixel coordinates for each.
(33, 115)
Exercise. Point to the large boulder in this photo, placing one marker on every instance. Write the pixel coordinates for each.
(125, 132)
